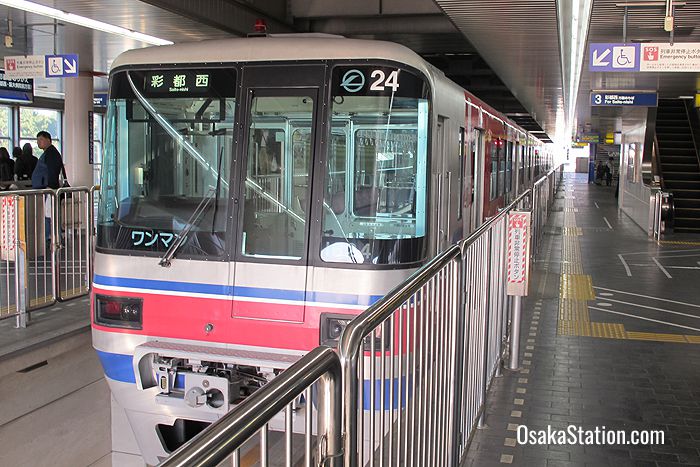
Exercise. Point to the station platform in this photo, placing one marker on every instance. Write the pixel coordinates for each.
(611, 339)
(55, 406)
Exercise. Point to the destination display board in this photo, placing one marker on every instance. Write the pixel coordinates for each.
(624, 98)
(16, 90)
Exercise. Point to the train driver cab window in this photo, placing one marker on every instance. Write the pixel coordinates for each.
(374, 209)
(167, 159)
(277, 177)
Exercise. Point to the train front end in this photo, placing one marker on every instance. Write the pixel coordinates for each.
(249, 209)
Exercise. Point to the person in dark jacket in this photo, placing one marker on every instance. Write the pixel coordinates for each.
(46, 175)
(7, 166)
(25, 162)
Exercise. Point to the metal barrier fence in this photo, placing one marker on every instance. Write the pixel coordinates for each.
(225, 438)
(46, 240)
(416, 366)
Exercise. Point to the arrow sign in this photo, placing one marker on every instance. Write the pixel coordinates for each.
(598, 59)
(614, 57)
(61, 66)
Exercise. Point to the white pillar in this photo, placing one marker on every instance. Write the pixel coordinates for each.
(78, 104)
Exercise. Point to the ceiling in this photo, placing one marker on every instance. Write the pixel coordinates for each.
(643, 25)
(506, 52)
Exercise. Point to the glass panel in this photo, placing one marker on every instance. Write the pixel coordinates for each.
(509, 165)
(494, 170)
(164, 163)
(461, 155)
(277, 177)
(375, 189)
(33, 120)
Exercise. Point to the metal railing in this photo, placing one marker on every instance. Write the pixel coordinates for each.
(662, 213)
(46, 239)
(418, 363)
(226, 437)
(416, 366)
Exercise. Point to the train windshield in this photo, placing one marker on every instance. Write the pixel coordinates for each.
(375, 187)
(167, 161)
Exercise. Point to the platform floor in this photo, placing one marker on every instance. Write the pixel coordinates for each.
(611, 338)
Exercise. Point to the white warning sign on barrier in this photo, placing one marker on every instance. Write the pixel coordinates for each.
(518, 258)
(8, 229)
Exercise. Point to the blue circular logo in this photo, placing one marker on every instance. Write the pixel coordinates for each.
(353, 81)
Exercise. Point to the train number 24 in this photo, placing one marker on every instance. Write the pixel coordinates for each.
(382, 81)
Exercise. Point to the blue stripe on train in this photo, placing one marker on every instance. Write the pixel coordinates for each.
(237, 291)
(117, 366)
(389, 385)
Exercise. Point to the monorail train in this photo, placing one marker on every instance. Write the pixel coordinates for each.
(258, 193)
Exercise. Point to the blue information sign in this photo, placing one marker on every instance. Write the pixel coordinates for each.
(614, 57)
(61, 66)
(16, 90)
(629, 98)
(99, 99)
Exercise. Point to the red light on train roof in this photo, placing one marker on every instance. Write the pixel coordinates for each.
(260, 26)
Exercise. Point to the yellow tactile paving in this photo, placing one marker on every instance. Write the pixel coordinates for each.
(576, 287)
(571, 250)
(573, 328)
(571, 267)
(676, 242)
(608, 330)
(573, 310)
(572, 231)
(656, 336)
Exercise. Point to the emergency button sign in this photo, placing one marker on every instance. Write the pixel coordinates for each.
(518, 253)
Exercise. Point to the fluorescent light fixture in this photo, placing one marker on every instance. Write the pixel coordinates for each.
(60, 15)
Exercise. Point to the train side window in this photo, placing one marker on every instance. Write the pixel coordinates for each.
(501, 167)
(462, 165)
(493, 192)
(509, 166)
(277, 177)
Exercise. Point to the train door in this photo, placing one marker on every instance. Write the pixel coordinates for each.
(275, 159)
(477, 176)
(442, 187)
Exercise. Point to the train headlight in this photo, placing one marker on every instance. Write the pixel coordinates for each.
(120, 312)
(332, 326)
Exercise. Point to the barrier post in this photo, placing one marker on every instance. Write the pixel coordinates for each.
(518, 269)
(515, 333)
(20, 265)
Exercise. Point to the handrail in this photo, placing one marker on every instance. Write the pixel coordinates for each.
(63, 244)
(382, 309)
(223, 437)
(351, 340)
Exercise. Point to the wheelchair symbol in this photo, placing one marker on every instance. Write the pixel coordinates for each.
(624, 57)
(55, 66)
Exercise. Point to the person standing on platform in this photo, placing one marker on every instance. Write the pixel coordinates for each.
(25, 163)
(609, 171)
(7, 166)
(45, 175)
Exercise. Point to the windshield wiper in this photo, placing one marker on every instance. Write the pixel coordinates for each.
(181, 236)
